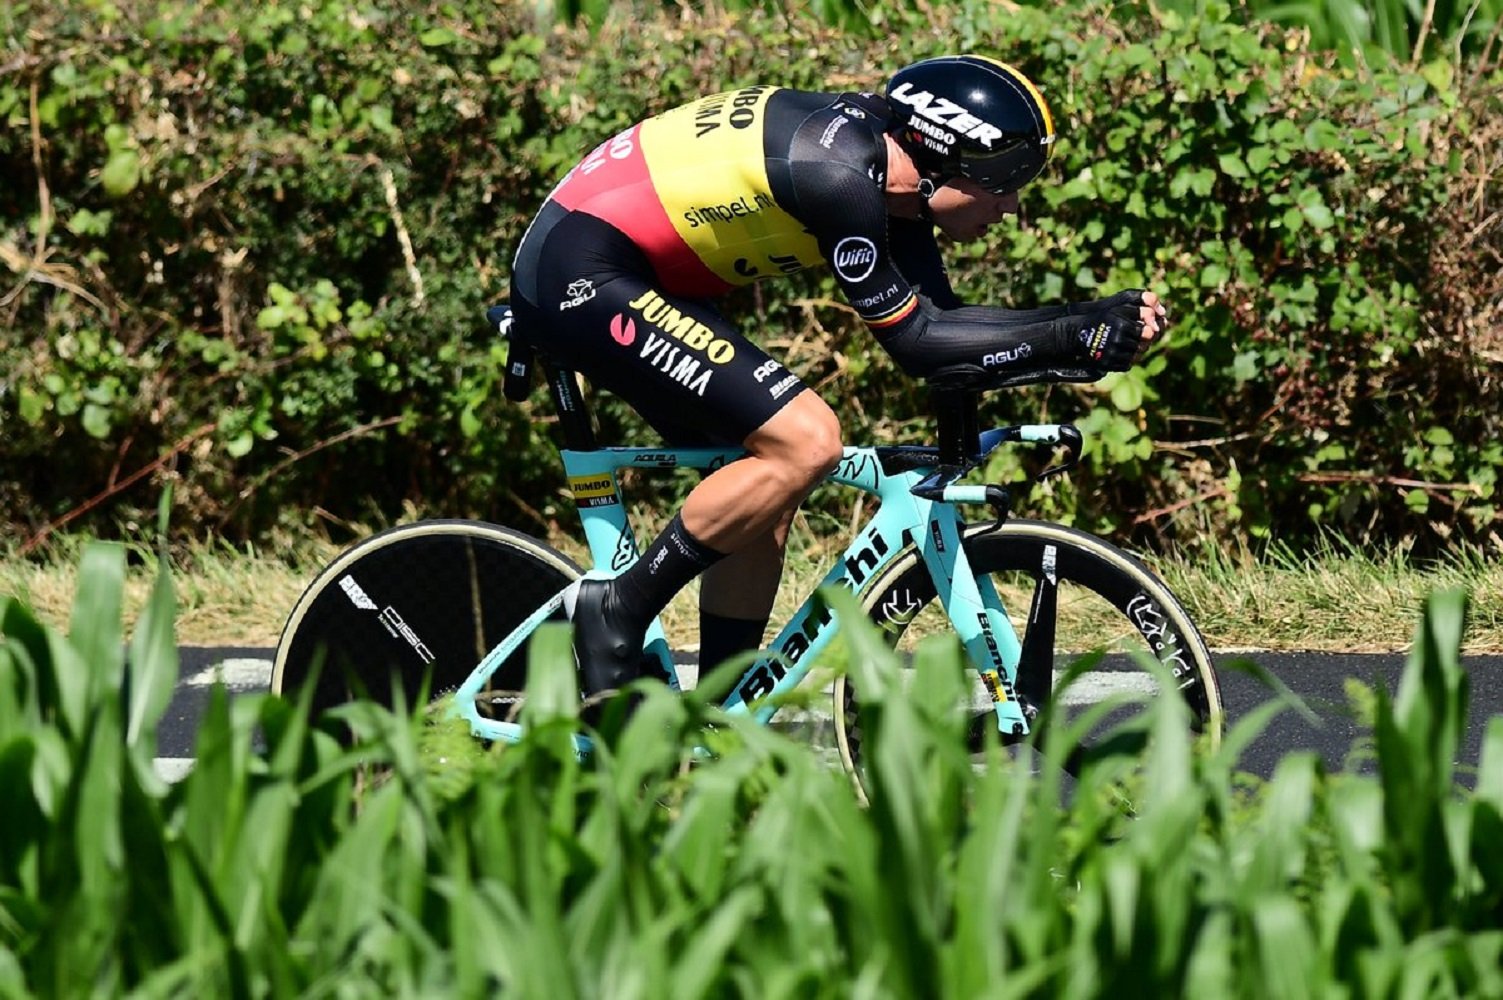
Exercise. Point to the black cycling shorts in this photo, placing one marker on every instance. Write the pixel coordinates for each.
(586, 296)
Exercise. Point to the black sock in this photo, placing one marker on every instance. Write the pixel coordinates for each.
(721, 638)
(673, 559)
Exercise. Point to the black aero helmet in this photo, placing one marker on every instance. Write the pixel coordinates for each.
(969, 116)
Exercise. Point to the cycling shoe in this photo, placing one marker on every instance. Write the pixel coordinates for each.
(609, 653)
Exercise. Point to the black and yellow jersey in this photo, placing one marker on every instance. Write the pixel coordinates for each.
(615, 274)
(761, 182)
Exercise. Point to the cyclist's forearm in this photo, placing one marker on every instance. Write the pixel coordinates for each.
(1042, 314)
(979, 336)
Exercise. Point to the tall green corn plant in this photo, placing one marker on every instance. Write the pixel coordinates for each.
(76, 774)
(1154, 873)
(109, 878)
(1430, 845)
(654, 868)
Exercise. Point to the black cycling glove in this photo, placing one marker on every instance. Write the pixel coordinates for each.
(1111, 334)
(1131, 297)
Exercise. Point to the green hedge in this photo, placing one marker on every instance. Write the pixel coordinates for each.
(248, 249)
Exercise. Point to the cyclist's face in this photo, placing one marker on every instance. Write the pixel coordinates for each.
(964, 209)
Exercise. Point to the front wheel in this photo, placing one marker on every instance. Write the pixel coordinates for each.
(417, 603)
(1068, 593)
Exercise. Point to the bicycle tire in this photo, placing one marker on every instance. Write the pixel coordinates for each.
(418, 602)
(1084, 563)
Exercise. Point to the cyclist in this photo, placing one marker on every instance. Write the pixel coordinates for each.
(616, 276)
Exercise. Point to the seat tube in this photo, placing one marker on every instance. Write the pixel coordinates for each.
(613, 545)
(597, 497)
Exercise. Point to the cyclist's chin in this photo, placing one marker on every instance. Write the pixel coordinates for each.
(964, 231)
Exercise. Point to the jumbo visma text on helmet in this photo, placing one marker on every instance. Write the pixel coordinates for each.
(972, 117)
(942, 120)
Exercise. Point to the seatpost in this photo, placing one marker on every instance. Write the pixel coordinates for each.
(959, 425)
(573, 412)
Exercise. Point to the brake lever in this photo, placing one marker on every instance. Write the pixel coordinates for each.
(1071, 441)
(1000, 501)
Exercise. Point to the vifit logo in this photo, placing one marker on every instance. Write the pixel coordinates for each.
(623, 330)
(855, 258)
(356, 594)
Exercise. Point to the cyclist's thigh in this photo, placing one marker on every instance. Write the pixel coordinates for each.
(691, 374)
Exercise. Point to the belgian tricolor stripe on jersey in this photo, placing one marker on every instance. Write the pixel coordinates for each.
(614, 184)
(895, 316)
(690, 188)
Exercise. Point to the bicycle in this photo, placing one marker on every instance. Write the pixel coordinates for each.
(456, 602)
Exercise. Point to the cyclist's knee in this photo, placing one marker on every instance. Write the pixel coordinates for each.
(803, 438)
(823, 444)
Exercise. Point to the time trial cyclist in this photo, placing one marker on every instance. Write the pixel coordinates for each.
(617, 276)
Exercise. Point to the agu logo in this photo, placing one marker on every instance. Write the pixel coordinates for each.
(623, 330)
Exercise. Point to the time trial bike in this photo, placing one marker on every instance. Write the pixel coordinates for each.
(454, 603)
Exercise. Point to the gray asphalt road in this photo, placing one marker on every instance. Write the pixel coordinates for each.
(1318, 678)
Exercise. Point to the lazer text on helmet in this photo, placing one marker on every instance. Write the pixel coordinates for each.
(947, 113)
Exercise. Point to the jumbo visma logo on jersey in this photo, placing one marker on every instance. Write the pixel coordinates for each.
(672, 341)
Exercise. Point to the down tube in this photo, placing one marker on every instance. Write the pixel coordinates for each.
(810, 630)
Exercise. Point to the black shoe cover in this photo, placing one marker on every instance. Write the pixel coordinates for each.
(609, 653)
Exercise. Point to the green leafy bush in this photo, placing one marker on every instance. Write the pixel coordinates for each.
(249, 250)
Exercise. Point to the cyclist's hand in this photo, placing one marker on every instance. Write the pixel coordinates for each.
(1150, 307)
(1155, 316)
(1115, 331)
(1112, 338)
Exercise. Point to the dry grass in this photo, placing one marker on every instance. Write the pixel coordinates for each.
(225, 597)
(1334, 599)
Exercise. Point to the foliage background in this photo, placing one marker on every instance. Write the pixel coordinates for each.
(248, 250)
